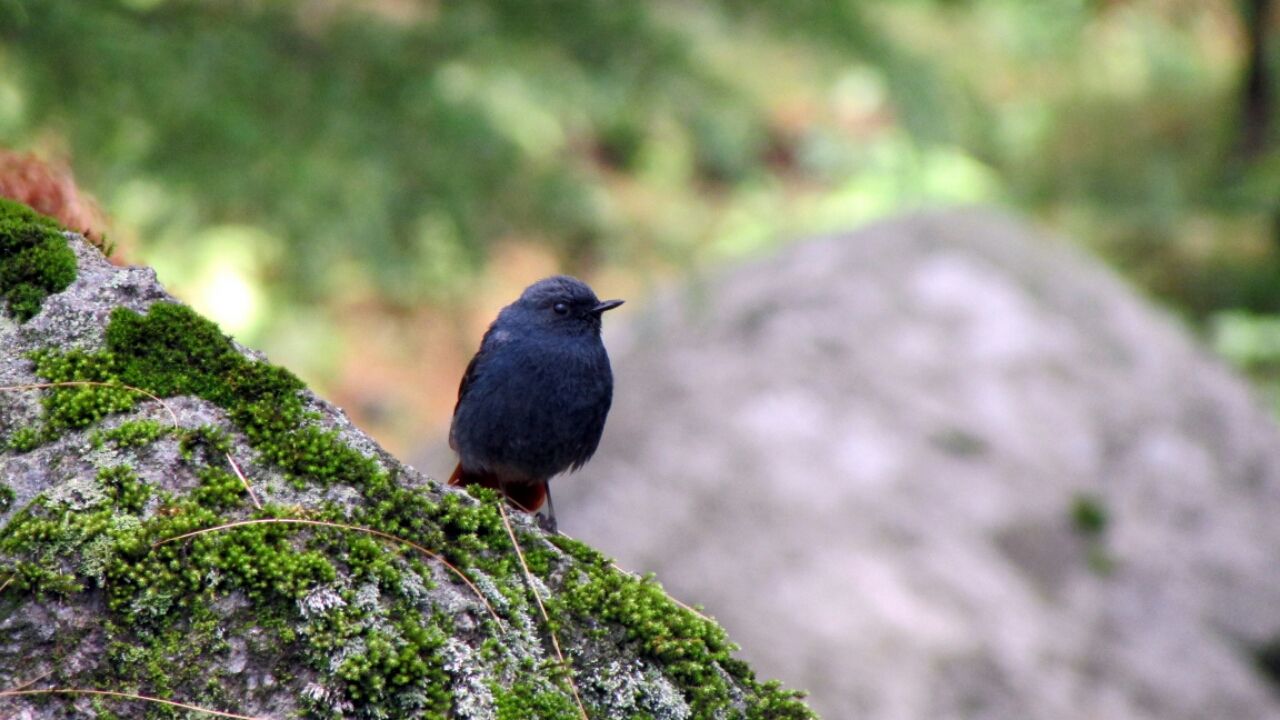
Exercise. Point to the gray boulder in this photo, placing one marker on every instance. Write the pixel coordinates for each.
(945, 467)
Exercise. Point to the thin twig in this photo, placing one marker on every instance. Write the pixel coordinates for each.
(555, 644)
(30, 682)
(122, 386)
(6, 582)
(127, 696)
(341, 526)
(244, 480)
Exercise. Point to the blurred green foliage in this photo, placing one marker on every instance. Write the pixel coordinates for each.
(401, 138)
(378, 150)
(402, 144)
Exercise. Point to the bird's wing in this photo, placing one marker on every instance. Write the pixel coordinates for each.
(467, 378)
(493, 337)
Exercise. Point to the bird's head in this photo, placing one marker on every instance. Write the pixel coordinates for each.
(562, 304)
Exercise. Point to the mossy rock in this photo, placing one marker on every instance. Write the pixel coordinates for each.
(37, 260)
(349, 586)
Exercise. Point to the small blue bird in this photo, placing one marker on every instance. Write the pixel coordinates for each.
(533, 400)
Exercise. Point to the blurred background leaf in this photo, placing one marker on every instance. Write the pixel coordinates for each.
(356, 186)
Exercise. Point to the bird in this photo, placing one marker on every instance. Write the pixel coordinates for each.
(533, 401)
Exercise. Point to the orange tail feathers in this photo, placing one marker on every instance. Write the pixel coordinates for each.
(527, 496)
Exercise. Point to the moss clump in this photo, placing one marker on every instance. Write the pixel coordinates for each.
(25, 439)
(6, 497)
(41, 581)
(35, 260)
(39, 542)
(209, 442)
(1089, 516)
(92, 391)
(391, 659)
(146, 581)
(686, 644)
(771, 701)
(172, 661)
(173, 351)
(218, 489)
(1090, 520)
(532, 701)
(132, 434)
(124, 487)
(695, 651)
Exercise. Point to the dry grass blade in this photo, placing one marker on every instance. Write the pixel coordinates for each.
(129, 696)
(30, 682)
(5, 584)
(252, 495)
(670, 597)
(340, 526)
(72, 383)
(528, 577)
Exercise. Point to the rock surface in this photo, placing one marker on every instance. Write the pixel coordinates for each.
(99, 595)
(943, 467)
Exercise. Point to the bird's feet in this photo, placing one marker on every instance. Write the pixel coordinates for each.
(547, 521)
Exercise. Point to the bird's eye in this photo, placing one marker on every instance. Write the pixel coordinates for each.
(560, 308)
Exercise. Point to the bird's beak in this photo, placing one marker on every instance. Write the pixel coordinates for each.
(605, 305)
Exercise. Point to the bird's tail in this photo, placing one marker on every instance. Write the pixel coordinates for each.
(528, 496)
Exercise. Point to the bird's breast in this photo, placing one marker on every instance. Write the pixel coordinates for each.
(543, 405)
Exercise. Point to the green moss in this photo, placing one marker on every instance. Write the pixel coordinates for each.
(35, 260)
(1089, 515)
(407, 657)
(693, 649)
(259, 560)
(25, 439)
(123, 486)
(6, 497)
(131, 434)
(368, 560)
(76, 406)
(102, 711)
(771, 701)
(39, 540)
(42, 581)
(533, 701)
(170, 662)
(1090, 519)
(173, 351)
(219, 489)
(206, 443)
(689, 646)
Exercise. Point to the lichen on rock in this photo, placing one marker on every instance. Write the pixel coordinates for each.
(182, 520)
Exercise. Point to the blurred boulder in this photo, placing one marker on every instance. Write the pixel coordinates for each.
(945, 467)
